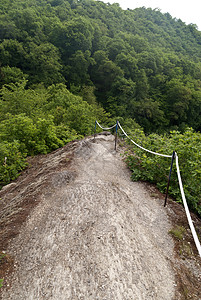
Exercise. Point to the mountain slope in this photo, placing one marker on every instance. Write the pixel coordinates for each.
(138, 64)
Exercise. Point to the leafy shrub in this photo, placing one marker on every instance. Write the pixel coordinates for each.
(12, 161)
(155, 169)
(66, 134)
(40, 120)
(1, 282)
(20, 128)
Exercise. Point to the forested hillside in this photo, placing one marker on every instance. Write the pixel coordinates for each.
(64, 64)
(138, 64)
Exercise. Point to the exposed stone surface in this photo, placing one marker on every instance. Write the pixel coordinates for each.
(93, 234)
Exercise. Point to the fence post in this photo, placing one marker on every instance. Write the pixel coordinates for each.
(115, 147)
(95, 131)
(173, 157)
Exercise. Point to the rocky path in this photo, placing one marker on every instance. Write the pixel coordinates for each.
(94, 235)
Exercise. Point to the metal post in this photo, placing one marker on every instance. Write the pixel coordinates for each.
(115, 147)
(173, 157)
(95, 131)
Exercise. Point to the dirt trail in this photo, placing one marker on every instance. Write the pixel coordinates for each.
(94, 235)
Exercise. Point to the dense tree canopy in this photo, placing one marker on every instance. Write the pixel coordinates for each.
(139, 63)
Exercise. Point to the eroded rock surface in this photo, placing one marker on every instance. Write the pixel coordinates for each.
(93, 235)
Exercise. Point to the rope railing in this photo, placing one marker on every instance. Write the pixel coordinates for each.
(173, 156)
(155, 153)
(190, 222)
(105, 128)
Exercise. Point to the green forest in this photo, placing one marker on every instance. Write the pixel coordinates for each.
(66, 63)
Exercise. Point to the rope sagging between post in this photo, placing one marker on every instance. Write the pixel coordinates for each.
(173, 156)
(159, 154)
(190, 222)
(105, 128)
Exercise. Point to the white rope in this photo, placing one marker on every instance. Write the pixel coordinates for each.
(105, 128)
(190, 222)
(141, 146)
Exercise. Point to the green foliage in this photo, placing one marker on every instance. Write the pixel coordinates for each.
(12, 161)
(20, 128)
(2, 255)
(178, 232)
(141, 64)
(11, 75)
(1, 282)
(44, 64)
(16, 99)
(149, 167)
(40, 120)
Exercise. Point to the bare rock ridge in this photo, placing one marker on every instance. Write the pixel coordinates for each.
(93, 234)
